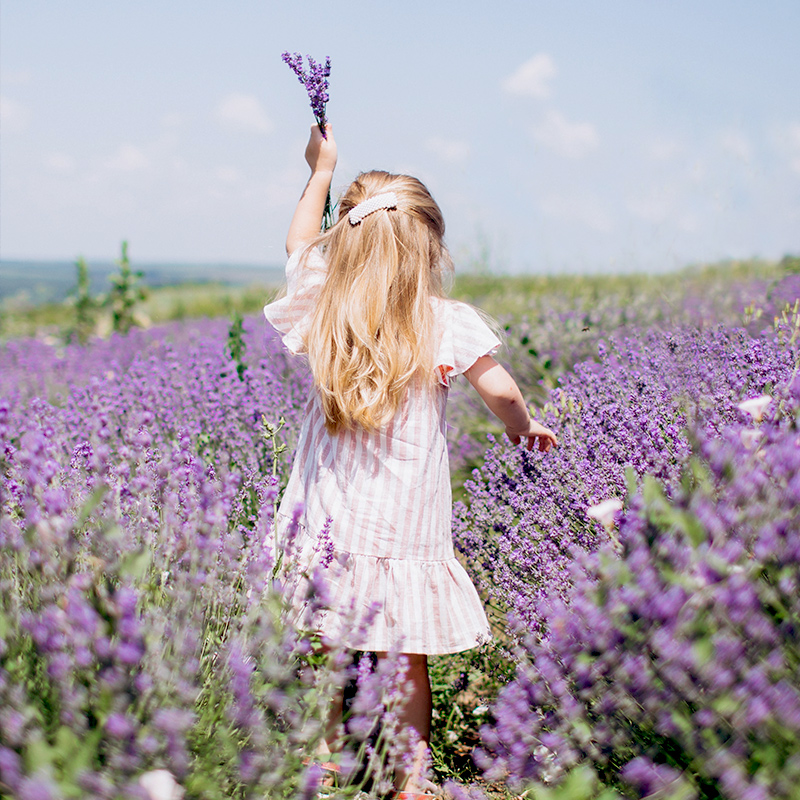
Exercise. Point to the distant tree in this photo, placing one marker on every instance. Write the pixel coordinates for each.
(126, 291)
(85, 304)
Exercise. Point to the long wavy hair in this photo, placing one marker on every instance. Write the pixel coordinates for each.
(372, 331)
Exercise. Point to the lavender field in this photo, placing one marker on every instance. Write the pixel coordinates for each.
(643, 580)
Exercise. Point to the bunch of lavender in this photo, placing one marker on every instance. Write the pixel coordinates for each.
(674, 668)
(315, 82)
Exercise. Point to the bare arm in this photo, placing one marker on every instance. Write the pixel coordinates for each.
(504, 399)
(307, 219)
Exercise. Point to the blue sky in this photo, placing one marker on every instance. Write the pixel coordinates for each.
(569, 136)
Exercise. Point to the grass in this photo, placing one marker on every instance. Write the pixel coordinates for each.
(19, 318)
(497, 295)
(515, 294)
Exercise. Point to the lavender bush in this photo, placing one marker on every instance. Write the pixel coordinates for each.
(675, 668)
(666, 656)
(141, 628)
(626, 412)
(549, 331)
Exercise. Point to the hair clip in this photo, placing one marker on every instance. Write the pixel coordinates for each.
(379, 201)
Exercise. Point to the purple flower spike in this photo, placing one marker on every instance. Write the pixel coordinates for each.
(315, 81)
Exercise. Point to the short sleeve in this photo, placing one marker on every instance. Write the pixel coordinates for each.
(290, 315)
(465, 338)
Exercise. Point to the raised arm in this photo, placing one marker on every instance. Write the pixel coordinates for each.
(500, 392)
(307, 219)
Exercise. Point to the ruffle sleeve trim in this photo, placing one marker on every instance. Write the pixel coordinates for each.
(291, 314)
(465, 338)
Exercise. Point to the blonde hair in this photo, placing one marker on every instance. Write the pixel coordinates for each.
(372, 331)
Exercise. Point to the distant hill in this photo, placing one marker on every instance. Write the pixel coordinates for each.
(51, 281)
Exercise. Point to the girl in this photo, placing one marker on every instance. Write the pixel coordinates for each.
(365, 302)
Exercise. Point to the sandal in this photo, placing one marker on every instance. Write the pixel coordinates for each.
(415, 796)
(429, 791)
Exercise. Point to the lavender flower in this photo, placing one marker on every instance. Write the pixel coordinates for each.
(325, 546)
(315, 82)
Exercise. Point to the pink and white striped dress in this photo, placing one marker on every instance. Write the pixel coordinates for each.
(387, 497)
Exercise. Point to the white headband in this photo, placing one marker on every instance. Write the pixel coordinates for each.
(379, 201)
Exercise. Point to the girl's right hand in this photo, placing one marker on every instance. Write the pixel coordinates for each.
(321, 152)
(534, 431)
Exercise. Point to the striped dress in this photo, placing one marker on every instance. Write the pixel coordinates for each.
(382, 500)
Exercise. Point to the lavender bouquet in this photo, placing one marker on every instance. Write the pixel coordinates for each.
(316, 83)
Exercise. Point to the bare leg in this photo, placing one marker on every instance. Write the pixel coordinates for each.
(331, 742)
(415, 714)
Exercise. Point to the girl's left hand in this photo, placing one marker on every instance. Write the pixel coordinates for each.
(546, 437)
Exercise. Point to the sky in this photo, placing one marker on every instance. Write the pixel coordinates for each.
(574, 136)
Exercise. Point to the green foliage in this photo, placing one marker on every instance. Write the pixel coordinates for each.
(236, 344)
(269, 433)
(125, 293)
(581, 784)
(463, 687)
(502, 295)
(328, 219)
(86, 305)
(791, 264)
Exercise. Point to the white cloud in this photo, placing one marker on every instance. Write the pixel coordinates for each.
(60, 163)
(656, 205)
(128, 158)
(228, 174)
(583, 208)
(448, 149)
(568, 139)
(532, 79)
(14, 116)
(736, 144)
(243, 112)
(662, 148)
